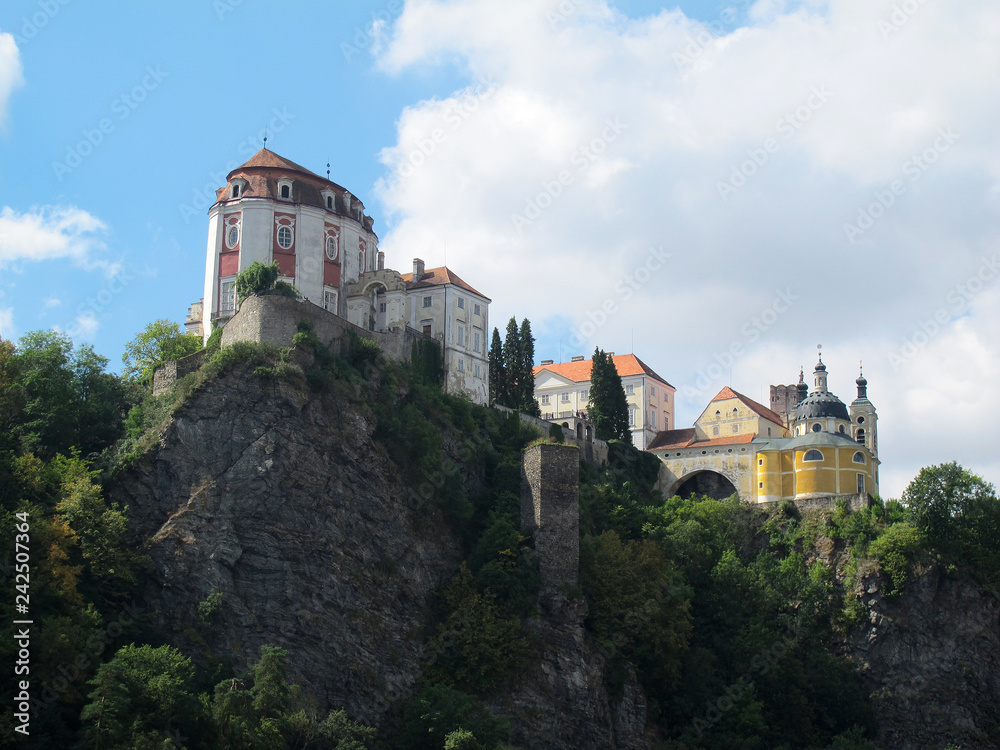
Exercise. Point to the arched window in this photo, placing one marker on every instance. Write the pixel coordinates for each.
(842, 429)
(286, 192)
(329, 202)
(813, 455)
(859, 458)
(236, 191)
(861, 437)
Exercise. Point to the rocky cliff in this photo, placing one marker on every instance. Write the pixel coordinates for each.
(280, 499)
(932, 656)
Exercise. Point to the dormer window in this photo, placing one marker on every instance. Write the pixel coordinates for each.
(237, 187)
(329, 198)
(285, 190)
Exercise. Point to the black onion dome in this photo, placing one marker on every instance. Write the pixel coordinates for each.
(821, 404)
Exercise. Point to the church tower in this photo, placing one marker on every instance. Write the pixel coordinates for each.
(863, 417)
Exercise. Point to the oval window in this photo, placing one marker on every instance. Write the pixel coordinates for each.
(232, 237)
(817, 428)
(284, 237)
(331, 247)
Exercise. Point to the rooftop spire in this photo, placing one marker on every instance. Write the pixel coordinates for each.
(819, 375)
(862, 383)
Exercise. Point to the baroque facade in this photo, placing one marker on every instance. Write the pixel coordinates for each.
(274, 210)
(807, 446)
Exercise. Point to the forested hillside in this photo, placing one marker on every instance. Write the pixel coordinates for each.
(298, 549)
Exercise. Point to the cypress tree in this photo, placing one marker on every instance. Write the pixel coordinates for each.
(608, 405)
(498, 375)
(526, 375)
(512, 365)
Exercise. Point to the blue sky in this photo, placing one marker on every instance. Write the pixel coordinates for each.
(718, 187)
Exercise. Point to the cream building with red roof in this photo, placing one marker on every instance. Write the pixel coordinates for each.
(563, 391)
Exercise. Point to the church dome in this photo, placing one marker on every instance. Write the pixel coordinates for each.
(821, 404)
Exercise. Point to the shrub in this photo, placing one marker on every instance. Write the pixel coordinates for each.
(438, 711)
(896, 550)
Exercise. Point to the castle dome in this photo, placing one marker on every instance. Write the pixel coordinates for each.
(821, 404)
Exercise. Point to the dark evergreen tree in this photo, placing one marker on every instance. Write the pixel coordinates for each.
(498, 375)
(526, 371)
(608, 405)
(512, 365)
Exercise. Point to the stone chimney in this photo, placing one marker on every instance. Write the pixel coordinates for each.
(381, 261)
(418, 269)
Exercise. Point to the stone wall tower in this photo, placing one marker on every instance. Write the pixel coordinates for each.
(550, 511)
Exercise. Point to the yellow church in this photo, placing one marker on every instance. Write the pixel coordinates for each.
(808, 446)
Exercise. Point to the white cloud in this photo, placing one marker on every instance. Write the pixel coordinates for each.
(53, 233)
(10, 71)
(84, 327)
(6, 322)
(812, 112)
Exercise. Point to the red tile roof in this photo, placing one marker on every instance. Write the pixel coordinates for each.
(265, 158)
(673, 439)
(669, 439)
(760, 409)
(579, 372)
(439, 277)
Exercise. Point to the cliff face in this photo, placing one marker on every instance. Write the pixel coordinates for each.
(281, 500)
(933, 658)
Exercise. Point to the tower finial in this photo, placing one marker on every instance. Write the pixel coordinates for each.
(328, 170)
(265, 137)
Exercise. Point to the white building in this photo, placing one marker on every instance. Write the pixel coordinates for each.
(273, 210)
(563, 391)
(441, 305)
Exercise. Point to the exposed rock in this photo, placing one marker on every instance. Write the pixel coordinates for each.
(932, 655)
(282, 501)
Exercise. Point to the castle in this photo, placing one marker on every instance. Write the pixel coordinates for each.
(273, 210)
(808, 446)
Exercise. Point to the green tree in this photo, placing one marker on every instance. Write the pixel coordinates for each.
(49, 414)
(608, 405)
(476, 647)
(498, 374)
(512, 364)
(256, 279)
(525, 371)
(343, 734)
(263, 279)
(958, 512)
(160, 341)
(142, 693)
